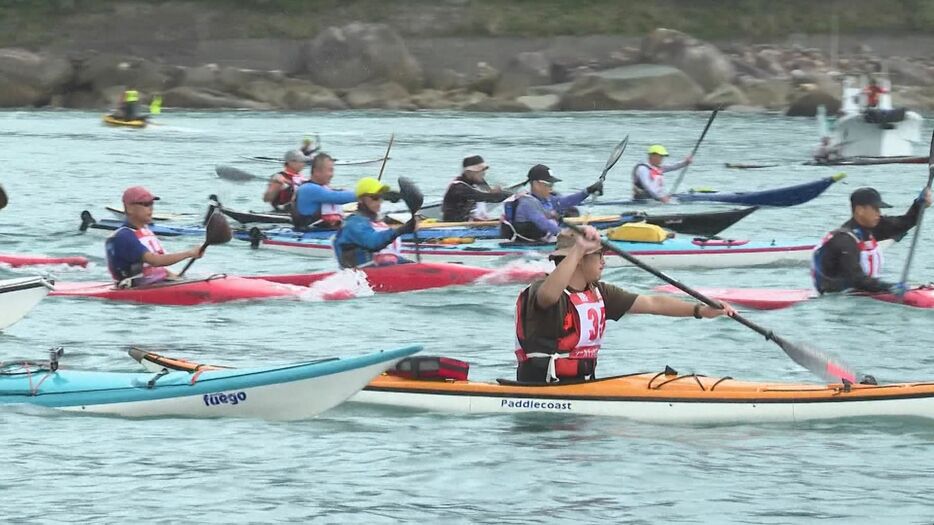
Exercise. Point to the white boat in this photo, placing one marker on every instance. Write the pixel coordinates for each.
(19, 296)
(882, 131)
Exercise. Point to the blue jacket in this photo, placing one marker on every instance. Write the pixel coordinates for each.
(310, 196)
(535, 218)
(357, 240)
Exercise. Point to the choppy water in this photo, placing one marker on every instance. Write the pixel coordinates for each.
(368, 465)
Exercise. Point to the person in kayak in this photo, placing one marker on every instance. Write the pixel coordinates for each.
(560, 319)
(364, 239)
(316, 203)
(467, 195)
(849, 257)
(648, 179)
(310, 147)
(281, 189)
(134, 255)
(533, 217)
(825, 153)
(129, 105)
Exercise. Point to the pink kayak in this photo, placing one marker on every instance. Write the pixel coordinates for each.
(215, 289)
(17, 260)
(776, 298)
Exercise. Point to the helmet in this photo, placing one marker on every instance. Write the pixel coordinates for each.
(370, 186)
(658, 149)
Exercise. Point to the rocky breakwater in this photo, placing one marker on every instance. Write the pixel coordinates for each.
(368, 66)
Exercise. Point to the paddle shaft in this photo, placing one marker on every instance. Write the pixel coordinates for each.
(192, 260)
(392, 137)
(914, 240)
(694, 151)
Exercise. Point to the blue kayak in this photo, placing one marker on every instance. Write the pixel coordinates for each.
(288, 392)
(784, 196)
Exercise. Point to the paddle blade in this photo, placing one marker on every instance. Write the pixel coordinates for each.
(217, 229)
(233, 174)
(820, 363)
(3, 198)
(615, 155)
(411, 194)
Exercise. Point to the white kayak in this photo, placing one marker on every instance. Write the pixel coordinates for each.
(19, 296)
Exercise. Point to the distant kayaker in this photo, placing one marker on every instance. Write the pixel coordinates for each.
(872, 92)
(316, 203)
(648, 180)
(281, 189)
(364, 239)
(825, 153)
(129, 105)
(467, 195)
(849, 257)
(134, 254)
(560, 320)
(310, 147)
(533, 217)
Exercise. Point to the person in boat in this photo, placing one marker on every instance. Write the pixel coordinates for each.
(872, 91)
(316, 203)
(560, 320)
(533, 216)
(467, 195)
(825, 153)
(364, 239)
(129, 106)
(849, 258)
(134, 255)
(310, 147)
(281, 189)
(648, 179)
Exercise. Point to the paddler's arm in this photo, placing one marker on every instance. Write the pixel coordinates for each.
(528, 210)
(843, 249)
(168, 259)
(897, 227)
(643, 173)
(564, 202)
(276, 183)
(678, 165)
(551, 290)
(674, 307)
(464, 192)
(358, 231)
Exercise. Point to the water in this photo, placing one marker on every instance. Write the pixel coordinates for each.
(368, 465)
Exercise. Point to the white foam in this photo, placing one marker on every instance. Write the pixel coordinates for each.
(345, 284)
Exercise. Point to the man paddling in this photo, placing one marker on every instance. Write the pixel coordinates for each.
(560, 320)
(849, 257)
(364, 239)
(533, 217)
(648, 180)
(134, 255)
(467, 195)
(310, 147)
(825, 153)
(282, 185)
(316, 203)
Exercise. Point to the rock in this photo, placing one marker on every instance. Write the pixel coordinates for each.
(633, 87)
(388, 95)
(302, 95)
(204, 98)
(445, 79)
(903, 72)
(524, 70)
(551, 89)
(771, 94)
(104, 70)
(463, 97)
(30, 79)
(496, 105)
(769, 60)
(231, 79)
(724, 96)
(272, 93)
(485, 78)
(432, 99)
(805, 105)
(360, 53)
(540, 102)
(700, 60)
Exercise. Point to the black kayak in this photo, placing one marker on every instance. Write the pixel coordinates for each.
(868, 161)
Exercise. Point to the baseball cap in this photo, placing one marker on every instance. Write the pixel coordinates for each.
(475, 163)
(868, 196)
(658, 149)
(542, 173)
(295, 156)
(138, 194)
(566, 240)
(370, 186)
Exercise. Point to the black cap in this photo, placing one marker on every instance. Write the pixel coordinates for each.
(543, 173)
(868, 197)
(473, 160)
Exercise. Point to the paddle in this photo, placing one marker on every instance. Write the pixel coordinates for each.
(914, 240)
(611, 161)
(413, 201)
(217, 231)
(392, 137)
(3, 198)
(694, 151)
(814, 360)
(233, 174)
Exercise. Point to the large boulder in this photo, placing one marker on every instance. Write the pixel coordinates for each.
(203, 98)
(724, 96)
(772, 94)
(770, 61)
(540, 102)
(432, 99)
(100, 71)
(523, 71)
(700, 60)
(303, 95)
(384, 95)
(805, 103)
(906, 73)
(633, 87)
(344, 57)
(30, 79)
(496, 105)
(445, 79)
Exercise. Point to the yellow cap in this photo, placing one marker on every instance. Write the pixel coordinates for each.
(658, 149)
(370, 186)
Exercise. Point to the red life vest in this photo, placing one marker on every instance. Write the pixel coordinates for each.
(293, 180)
(656, 178)
(151, 243)
(870, 256)
(391, 254)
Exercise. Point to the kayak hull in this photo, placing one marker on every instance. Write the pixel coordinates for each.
(19, 296)
(774, 299)
(111, 120)
(21, 260)
(215, 289)
(779, 197)
(289, 392)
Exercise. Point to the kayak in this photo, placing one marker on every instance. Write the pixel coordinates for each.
(19, 296)
(215, 289)
(417, 276)
(776, 298)
(745, 166)
(784, 196)
(663, 397)
(868, 161)
(287, 392)
(22, 259)
(671, 253)
(278, 160)
(112, 120)
(107, 226)
(118, 211)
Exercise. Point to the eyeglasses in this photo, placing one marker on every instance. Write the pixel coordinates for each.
(546, 183)
(374, 197)
(145, 204)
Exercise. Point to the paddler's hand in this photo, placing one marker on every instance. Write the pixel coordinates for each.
(195, 252)
(596, 187)
(589, 241)
(709, 312)
(666, 199)
(392, 196)
(408, 227)
(926, 194)
(689, 159)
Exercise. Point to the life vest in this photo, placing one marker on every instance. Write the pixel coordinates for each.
(354, 256)
(141, 272)
(392, 253)
(872, 95)
(870, 256)
(329, 215)
(520, 231)
(466, 210)
(293, 180)
(577, 347)
(656, 178)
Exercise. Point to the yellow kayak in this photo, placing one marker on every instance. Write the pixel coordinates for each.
(112, 120)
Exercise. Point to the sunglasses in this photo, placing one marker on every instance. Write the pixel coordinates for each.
(374, 197)
(546, 183)
(144, 204)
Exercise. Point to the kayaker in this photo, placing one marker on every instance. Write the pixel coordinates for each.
(533, 217)
(849, 257)
(825, 153)
(316, 203)
(129, 105)
(560, 320)
(364, 239)
(872, 92)
(281, 189)
(467, 195)
(648, 180)
(134, 255)
(310, 147)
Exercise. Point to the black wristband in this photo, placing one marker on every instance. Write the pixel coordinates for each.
(697, 314)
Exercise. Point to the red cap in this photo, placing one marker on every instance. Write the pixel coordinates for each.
(138, 194)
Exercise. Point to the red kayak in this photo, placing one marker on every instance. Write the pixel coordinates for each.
(774, 298)
(17, 260)
(418, 276)
(215, 289)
